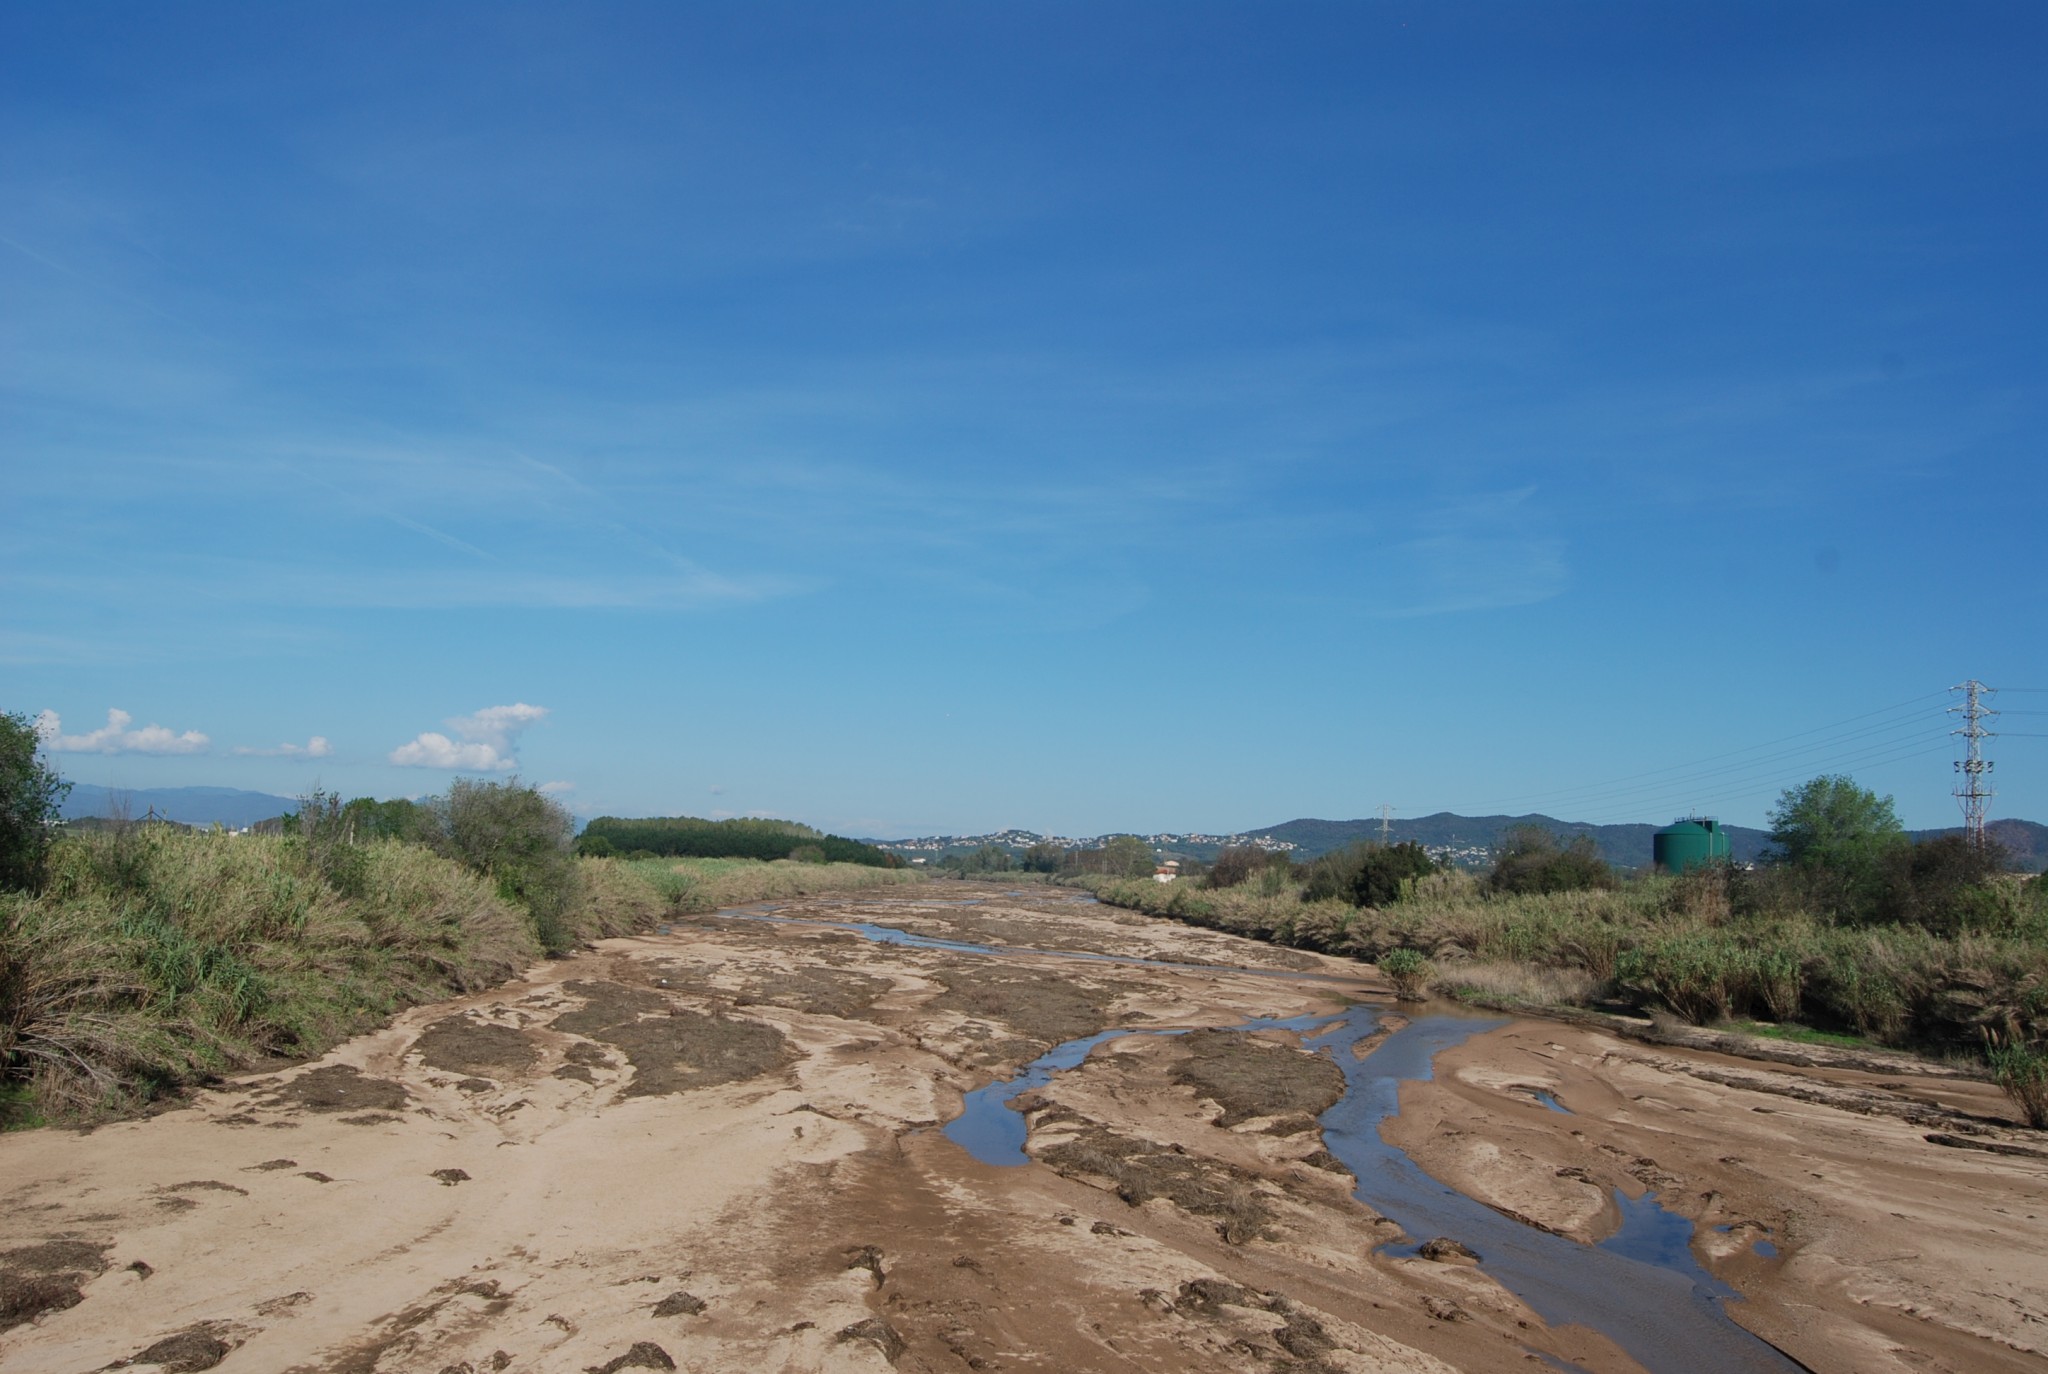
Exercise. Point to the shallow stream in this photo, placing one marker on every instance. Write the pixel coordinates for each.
(1642, 1287)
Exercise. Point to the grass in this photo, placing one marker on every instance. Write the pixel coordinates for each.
(698, 885)
(155, 958)
(1801, 1035)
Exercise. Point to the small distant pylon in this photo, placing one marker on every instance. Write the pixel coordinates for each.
(1386, 824)
(1973, 769)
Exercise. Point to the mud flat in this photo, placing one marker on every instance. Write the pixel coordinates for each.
(723, 1147)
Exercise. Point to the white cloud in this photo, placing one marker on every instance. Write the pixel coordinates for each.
(116, 738)
(488, 741)
(431, 749)
(497, 726)
(314, 748)
(552, 788)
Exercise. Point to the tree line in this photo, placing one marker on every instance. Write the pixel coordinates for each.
(742, 838)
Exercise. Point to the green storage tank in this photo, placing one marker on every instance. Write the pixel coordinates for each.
(1690, 843)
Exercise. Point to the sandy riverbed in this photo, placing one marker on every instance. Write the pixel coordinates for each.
(720, 1147)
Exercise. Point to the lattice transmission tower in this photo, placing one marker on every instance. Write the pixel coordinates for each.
(1973, 770)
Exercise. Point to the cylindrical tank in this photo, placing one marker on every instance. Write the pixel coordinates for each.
(1688, 844)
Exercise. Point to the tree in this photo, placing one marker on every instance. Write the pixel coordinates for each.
(990, 858)
(30, 792)
(1531, 859)
(1043, 857)
(1386, 869)
(1366, 874)
(1236, 864)
(1831, 823)
(1127, 856)
(523, 840)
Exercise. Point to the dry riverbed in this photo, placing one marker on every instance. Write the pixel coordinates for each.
(719, 1148)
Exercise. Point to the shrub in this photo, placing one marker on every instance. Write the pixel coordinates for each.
(1236, 864)
(1042, 857)
(521, 838)
(2022, 1071)
(807, 854)
(990, 858)
(1697, 974)
(1409, 971)
(30, 792)
(1533, 860)
(1387, 871)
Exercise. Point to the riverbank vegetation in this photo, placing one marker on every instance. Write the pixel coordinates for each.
(1853, 931)
(138, 958)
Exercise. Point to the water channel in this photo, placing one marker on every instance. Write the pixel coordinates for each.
(1641, 1287)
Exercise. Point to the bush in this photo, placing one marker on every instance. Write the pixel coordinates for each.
(1236, 864)
(1387, 872)
(522, 839)
(1042, 857)
(30, 792)
(2022, 1071)
(1366, 874)
(1533, 860)
(990, 858)
(807, 854)
(1409, 971)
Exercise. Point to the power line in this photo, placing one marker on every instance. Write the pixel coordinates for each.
(1926, 741)
(1835, 752)
(1732, 754)
(1748, 786)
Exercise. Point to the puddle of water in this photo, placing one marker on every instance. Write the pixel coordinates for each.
(1549, 1099)
(994, 1133)
(1556, 1362)
(1758, 1246)
(1652, 1235)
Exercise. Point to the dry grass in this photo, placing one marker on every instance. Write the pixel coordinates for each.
(696, 885)
(1508, 984)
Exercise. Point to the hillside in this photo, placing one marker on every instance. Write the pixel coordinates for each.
(2025, 841)
(200, 806)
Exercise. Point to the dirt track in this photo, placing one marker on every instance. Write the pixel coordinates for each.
(722, 1145)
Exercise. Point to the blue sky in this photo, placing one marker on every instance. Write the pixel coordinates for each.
(1079, 417)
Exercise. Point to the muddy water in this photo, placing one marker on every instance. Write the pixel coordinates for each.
(1642, 1287)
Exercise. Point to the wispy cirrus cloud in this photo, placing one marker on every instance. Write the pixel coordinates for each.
(486, 742)
(315, 748)
(117, 737)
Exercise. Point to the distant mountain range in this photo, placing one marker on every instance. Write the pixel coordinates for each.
(1465, 840)
(200, 806)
